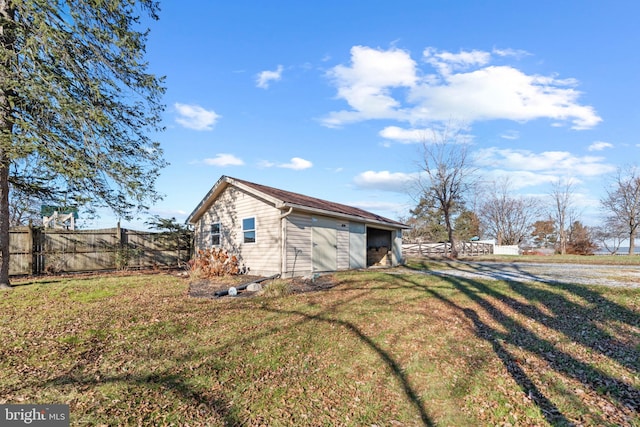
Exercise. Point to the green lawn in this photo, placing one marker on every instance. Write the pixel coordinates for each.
(380, 348)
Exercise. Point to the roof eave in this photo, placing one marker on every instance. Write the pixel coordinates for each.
(205, 203)
(215, 191)
(343, 216)
(224, 181)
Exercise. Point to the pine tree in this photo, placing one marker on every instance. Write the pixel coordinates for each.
(427, 222)
(467, 225)
(544, 233)
(77, 102)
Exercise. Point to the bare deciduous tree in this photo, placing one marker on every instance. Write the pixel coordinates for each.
(622, 202)
(563, 211)
(447, 175)
(506, 217)
(29, 189)
(24, 209)
(610, 235)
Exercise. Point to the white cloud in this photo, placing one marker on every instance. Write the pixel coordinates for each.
(446, 62)
(427, 135)
(224, 159)
(195, 117)
(519, 179)
(266, 77)
(561, 163)
(387, 84)
(599, 146)
(517, 53)
(296, 163)
(502, 92)
(404, 135)
(510, 135)
(409, 135)
(366, 84)
(385, 180)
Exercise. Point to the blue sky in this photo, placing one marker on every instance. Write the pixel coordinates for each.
(333, 99)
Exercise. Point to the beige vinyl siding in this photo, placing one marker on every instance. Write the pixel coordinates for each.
(346, 248)
(357, 245)
(396, 239)
(343, 245)
(230, 208)
(298, 253)
(222, 211)
(298, 248)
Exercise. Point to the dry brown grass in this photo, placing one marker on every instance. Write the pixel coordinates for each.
(378, 348)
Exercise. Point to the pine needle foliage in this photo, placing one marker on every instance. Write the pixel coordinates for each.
(78, 103)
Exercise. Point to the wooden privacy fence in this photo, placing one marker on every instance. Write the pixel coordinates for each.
(35, 250)
(444, 249)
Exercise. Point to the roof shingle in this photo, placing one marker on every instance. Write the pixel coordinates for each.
(289, 197)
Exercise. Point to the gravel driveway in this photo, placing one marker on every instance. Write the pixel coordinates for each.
(606, 275)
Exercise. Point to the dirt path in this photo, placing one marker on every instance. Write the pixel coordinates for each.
(605, 275)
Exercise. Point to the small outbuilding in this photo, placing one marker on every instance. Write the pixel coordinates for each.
(273, 231)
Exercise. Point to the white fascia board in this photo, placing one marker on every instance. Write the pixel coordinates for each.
(206, 201)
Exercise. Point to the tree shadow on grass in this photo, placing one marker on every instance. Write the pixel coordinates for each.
(515, 333)
(577, 321)
(324, 316)
(206, 408)
(216, 407)
(203, 404)
(384, 356)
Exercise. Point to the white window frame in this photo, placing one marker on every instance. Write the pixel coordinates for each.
(219, 233)
(249, 230)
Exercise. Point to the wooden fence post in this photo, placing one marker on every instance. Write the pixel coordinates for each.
(119, 247)
(30, 247)
(35, 249)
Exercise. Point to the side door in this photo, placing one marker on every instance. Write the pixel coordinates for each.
(324, 241)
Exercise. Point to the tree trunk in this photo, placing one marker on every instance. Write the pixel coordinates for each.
(4, 221)
(563, 243)
(632, 240)
(7, 41)
(447, 222)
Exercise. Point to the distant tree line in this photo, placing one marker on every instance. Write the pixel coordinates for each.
(454, 204)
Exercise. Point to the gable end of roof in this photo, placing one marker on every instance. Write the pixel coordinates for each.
(286, 199)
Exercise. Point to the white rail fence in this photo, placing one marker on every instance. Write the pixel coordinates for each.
(464, 248)
(444, 249)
